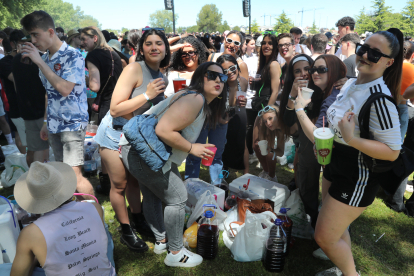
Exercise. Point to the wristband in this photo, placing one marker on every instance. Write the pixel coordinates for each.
(292, 98)
(146, 96)
(45, 122)
(299, 109)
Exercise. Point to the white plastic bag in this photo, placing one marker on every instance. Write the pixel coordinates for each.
(232, 215)
(301, 222)
(206, 198)
(9, 149)
(15, 165)
(51, 155)
(249, 242)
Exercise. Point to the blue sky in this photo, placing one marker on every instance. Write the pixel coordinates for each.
(135, 14)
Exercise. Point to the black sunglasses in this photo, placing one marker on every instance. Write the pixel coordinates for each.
(189, 54)
(263, 43)
(232, 68)
(229, 40)
(320, 70)
(212, 75)
(373, 55)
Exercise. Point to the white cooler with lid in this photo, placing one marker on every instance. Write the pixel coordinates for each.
(262, 188)
(196, 187)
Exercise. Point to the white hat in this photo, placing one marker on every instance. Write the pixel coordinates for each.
(45, 187)
(115, 44)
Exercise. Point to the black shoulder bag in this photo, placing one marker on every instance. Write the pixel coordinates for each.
(392, 172)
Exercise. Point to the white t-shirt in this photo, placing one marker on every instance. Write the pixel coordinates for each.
(252, 65)
(384, 122)
(297, 50)
(222, 48)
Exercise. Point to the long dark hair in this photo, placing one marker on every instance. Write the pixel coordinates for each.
(392, 75)
(287, 87)
(336, 71)
(264, 67)
(177, 63)
(227, 57)
(140, 57)
(6, 42)
(206, 40)
(215, 109)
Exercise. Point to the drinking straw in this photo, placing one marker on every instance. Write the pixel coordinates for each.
(323, 123)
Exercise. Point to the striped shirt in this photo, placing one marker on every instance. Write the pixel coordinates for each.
(384, 122)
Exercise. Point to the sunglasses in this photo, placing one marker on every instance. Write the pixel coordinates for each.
(212, 75)
(189, 54)
(286, 45)
(232, 68)
(229, 40)
(263, 43)
(265, 109)
(320, 70)
(373, 55)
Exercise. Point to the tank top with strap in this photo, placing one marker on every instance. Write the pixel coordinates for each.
(76, 241)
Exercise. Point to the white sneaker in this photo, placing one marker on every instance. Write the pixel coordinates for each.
(252, 158)
(184, 258)
(409, 188)
(258, 166)
(334, 271)
(274, 179)
(160, 247)
(319, 254)
(263, 174)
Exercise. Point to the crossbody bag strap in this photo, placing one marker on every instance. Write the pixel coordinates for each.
(182, 95)
(111, 75)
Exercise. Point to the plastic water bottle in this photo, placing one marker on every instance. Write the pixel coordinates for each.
(222, 184)
(287, 225)
(207, 235)
(230, 202)
(275, 248)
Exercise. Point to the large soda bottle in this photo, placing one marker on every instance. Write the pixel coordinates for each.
(208, 235)
(221, 183)
(275, 248)
(287, 225)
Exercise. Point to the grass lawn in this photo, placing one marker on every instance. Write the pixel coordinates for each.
(393, 254)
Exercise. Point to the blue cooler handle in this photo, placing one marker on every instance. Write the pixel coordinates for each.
(11, 210)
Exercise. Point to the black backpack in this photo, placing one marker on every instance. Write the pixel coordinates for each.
(392, 172)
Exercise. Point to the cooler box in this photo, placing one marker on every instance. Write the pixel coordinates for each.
(262, 188)
(196, 187)
(9, 231)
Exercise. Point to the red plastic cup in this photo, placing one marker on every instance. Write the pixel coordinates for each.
(209, 161)
(178, 84)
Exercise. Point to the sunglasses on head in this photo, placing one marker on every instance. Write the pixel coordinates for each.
(265, 109)
(189, 54)
(320, 70)
(373, 55)
(263, 43)
(232, 68)
(237, 43)
(212, 75)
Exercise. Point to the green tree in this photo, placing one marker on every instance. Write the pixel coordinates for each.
(124, 30)
(162, 19)
(192, 29)
(236, 28)
(364, 22)
(283, 23)
(254, 27)
(11, 11)
(209, 18)
(381, 14)
(116, 32)
(408, 18)
(314, 29)
(223, 27)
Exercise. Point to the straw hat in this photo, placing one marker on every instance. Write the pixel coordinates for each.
(71, 34)
(115, 44)
(45, 187)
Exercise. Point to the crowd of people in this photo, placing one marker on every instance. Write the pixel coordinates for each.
(240, 89)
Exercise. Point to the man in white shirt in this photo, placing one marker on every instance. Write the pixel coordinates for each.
(318, 45)
(299, 48)
(345, 26)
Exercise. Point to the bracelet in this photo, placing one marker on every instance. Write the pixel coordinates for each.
(146, 96)
(299, 109)
(292, 98)
(190, 148)
(289, 108)
(349, 140)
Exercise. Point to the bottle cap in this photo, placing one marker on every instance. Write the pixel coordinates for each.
(209, 214)
(89, 143)
(278, 222)
(221, 175)
(233, 196)
(283, 211)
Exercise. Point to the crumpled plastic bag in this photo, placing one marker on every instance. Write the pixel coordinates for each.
(15, 165)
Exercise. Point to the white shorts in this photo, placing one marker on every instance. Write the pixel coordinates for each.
(21, 129)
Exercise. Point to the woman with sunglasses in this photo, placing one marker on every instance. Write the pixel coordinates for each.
(268, 126)
(133, 94)
(268, 87)
(233, 155)
(232, 44)
(185, 61)
(352, 186)
(179, 126)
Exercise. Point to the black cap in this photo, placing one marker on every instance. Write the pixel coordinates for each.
(329, 35)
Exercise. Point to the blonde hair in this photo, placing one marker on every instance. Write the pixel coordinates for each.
(101, 42)
(265, 132)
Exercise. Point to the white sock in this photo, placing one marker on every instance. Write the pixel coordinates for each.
(9, 138)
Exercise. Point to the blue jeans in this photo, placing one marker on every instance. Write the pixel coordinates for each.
(216, 137)
(403, 119)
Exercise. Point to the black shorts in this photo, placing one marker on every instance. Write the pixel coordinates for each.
(352, 182)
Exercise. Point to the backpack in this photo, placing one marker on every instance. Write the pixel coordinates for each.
(392, 172)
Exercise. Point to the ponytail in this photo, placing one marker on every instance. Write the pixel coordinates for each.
(393, 74)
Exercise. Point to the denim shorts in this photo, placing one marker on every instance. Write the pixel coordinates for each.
(109, 132)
